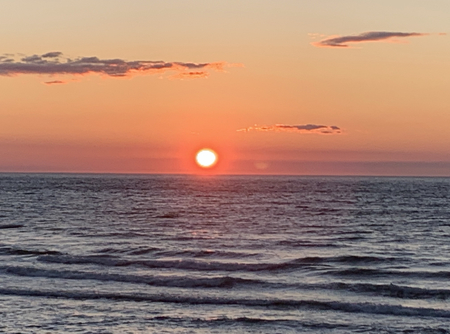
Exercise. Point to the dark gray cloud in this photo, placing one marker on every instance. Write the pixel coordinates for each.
(371, 36)
(53, 63)
(302, 128)
(52, 55)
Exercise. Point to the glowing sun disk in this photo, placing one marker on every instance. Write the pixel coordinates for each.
(206, 158)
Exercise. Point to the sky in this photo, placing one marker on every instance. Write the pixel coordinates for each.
(324, 87)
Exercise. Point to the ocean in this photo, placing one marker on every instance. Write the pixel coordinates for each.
(223, 254)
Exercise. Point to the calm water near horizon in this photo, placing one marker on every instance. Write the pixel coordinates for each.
(223, 254)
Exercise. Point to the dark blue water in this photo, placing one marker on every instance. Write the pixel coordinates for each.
(223, 254)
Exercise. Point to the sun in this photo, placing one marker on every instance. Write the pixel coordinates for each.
(206, 158)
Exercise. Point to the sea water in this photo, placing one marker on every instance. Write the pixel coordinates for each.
(223, 254)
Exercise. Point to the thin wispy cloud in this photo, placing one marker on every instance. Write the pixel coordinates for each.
(192, 75)
(55, 82)
(54, 63)
(371, 36)
(302, 128)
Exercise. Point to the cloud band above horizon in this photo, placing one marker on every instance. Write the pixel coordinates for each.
(303, 128)
(371, 36)
(53, 63)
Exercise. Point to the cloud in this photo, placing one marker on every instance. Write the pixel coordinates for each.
(371, 36)
(54, 82)
(53, 63)
(303, 128)
(52, 55)
(187, 75)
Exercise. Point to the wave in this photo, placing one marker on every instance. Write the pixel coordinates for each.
(105, 260)
(20, 251)
(189, 264)
(366, 308)
(167, 281)
(373, 273)
(391, 290)
(307, 244)
(166, 264)
(8, 226)
(287, 323)
(207, 254)
(202, 253)
(355, 259)
(136, 251)
(386, 290)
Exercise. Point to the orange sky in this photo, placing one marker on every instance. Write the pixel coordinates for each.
(319, 87)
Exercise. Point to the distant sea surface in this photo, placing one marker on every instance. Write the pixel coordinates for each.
(223, 254)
